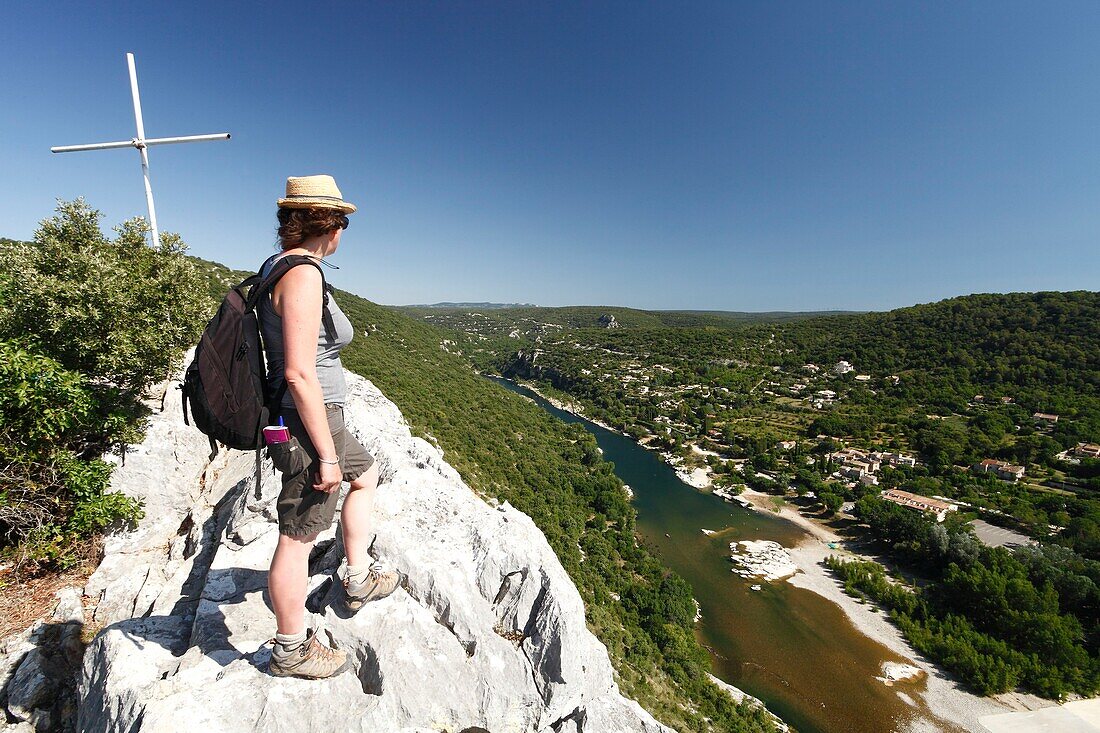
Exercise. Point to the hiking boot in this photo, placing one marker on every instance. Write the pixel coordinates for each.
(312, 660)
(376, 585)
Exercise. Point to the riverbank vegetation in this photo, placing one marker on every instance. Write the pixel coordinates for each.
(997, 619)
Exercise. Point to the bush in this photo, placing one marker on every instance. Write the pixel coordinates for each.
(116, 311)
(87, 324)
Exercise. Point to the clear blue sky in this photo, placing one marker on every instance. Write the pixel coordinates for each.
(718, 155)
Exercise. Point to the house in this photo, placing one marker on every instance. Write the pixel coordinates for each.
(1044, 417)
(1087, 450)
(788, 444)
(1000, 469)
(895, 459)
(853, 473)
(855, 463)
(826, 394)
(864, 466)
(846, 454)
(812, 368)
(868, 480)
(916, 501)
(843, 367)
(894, 379)
(863, 377)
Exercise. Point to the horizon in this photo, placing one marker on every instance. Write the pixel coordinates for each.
(792, 158)
(778, 311)
(817, 311)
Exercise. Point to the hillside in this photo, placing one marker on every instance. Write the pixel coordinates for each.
(1026, 344)
(957, 381)
(505, 447)
(1041, 350)
(531, 321)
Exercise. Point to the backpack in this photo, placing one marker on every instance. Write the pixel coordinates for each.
(226, 383)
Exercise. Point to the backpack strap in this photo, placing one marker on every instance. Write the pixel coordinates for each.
(262, 285)
(259, 491)
(183, 394)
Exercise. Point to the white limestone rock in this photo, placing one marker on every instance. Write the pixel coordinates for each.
(899, 672)
(761, 559)
(36, 665)
(490, 633)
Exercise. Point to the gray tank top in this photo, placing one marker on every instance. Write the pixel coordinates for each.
(330, 372)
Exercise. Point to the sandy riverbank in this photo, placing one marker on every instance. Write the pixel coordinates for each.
(766, 503)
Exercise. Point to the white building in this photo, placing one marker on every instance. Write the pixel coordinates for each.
(916, 501)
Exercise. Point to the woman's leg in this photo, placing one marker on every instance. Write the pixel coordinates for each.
(364, 582)
(355, 517)
(287, 581)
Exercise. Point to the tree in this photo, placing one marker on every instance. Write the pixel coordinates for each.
(117, 311)
(831, 502)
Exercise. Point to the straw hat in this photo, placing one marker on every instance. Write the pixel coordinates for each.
(314, 192)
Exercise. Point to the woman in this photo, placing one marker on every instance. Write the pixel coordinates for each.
(305, 358)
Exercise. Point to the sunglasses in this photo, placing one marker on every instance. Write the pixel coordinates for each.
(344, 221)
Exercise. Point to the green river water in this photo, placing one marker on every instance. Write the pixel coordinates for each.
(790, 647)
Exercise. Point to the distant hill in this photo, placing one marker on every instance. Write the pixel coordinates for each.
(1004, 342)
(1039, 349)
(504, 319)
(448, 304)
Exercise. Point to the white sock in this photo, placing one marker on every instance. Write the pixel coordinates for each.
(290, 642)
(358, 573)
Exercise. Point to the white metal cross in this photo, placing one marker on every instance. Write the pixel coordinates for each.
(142, 144)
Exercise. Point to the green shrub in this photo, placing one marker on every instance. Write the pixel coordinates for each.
(116, 311)
(87, 324)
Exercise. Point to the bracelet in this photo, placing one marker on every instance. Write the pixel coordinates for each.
(334, 462)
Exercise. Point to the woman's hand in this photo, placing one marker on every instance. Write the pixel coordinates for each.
(328, 478)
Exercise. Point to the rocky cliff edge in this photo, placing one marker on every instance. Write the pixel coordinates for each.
(490, 635)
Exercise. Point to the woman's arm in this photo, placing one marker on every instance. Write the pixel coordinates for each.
(298, 299)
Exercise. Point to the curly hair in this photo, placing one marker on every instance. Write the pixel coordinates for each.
(298, 225)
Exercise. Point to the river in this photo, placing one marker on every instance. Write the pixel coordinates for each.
(788, 646)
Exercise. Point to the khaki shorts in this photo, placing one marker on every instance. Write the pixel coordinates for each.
(303, 510)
